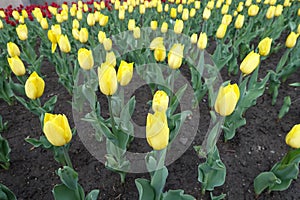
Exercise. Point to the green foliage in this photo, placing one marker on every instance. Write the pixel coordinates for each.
(6, 194)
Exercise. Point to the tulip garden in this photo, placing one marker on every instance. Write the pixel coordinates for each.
(150, 100)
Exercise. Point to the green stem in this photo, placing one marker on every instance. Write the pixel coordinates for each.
(113, 126)
(67, 157)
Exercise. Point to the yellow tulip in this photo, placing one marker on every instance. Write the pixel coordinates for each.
(227, 99)
(210, 5)
(107, 77)
(194, 38)
(131, 24)
(219, 4)
(272, 2)
(16, 15)
(173, 13)
(24, 14)
(59, 18)
(110, 58)
(137, 32)
(206, 13)
(34, 86)
(253, 10)
(75, 24)
(185, 14)
(175, 56)
(125, 73)
(278, 10)
(12, 49)
(286, 3)
(197, 5)
(202, 41)
(153, 25)
(258, 1)
(221, 31)
(83, 35)
(97, 15)
(79, 15)
(1, 24)
(85, 8)
(248, 3)
(2, 14)
(57, 129)
(160, 101)
(270, 12)
(16, 65)
(226, 19)
(156, 42)
(298, 12)
(228, 2)
(240, 7)
(64, 44)
(157, 130)
(21, 20)
(101, 36)
(103, 20)
(75, 33)
(85, 59)
(291, 40)
(90, 19)
(53, 10)
(293, 137)
(178, 27)
(64, 15)
(250, 63)
(192, 12)
(298, 29)
(164, 27)
(225, 9)
(166, 8)
(142, 9)
(266, 2)
(107, 43)
(239, 21)
(264, 46)
(22, 31)
(44, 23)
(121, 13)
(160, 53)
(73, 11)
(159, 8)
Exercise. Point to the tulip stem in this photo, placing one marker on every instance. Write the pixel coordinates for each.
(67, 157)
(113, 126)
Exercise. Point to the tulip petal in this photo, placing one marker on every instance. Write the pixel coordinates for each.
(54, 134)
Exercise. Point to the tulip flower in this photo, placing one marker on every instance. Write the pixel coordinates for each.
(178, 27)
(194, 38)
(107, 43)
(286, 3)
(192, 12)
(221, 31)
(270, 12)
(107, 77)
(219, 4)
(239, 21)
(202, 41)
(131, 24)
(59, 18)
(64, 15)
(164, 27)
(79, 15)
(278, 10)
(90, 19)
(248, 3)
(12, 49)
(226, 19)
(240, 7)
(173, 13)
(22, 31)
(253, 10)
(159, 8)
(142, 9)
(16, 65)
(110, 58)
(272, 2)
(16, 15)
(34, 86)
(1, 24)
(83, 35)
(175, 56)
(160, 101)
(136, 32)
(225, 9)
(197, 5)
(53, 10)
(227, 99)
(264, 46)
(293, 137)
(156, 42)
(153, 25)
(250, 63)
(125, 73)
(75, 24)
(57, 129)
(44, 23)
(166, 8)
(291, 40)
(210, 5)
(157, 130)
(85, 59)
(101, 36)
(180, 8)
(185, 14)
(75, 33)
(53, 35)
(160, 53)
(64, 44)
(206, 13)
(2, 14)
(103, 20)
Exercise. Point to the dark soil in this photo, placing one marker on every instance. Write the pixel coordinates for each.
(255, 148)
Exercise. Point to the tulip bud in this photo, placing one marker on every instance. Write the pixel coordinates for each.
(253, 10)
(156, 42)
(157, 130)
(1, 24)
(75, 33)
(178, 27)
(44, 23)
(85, 59)
(160, 101)
(197, 4)
(291, 40)
(173, 13)
(194, 38)
(34, 86)
(225, 9)
(107, 43)
(227, 99)
(2, 14)
(226, 19)
(166, 8)
(90, 19)
(250, 63)
(293, 137)
(221, 31)
(202, 41)
(64, 44)
(79, 15)
(270, 12)
(206, 13)
(175, 56)
(286, 3)
(264, 46)
(110, 58)
(83, 35)
(159, 8)
(278, 10)
(64, 15)
(153, 25)
(160, 53)
(16, 65)
(101, 36)
(12, 49)
(131, 24)
(210, 5)
(192, 12)
(185, 14)
(239, 21)
(125, 73)
(164, 27)
(142, 9)
(103, 20)
(22, 31)
(53, 10)
(219, 4)
(107, 79)
(73, 11)
(240, 7)
(75, 24)
(57, 129)
(137, 32)
(248, 3)
(16, 15)
(272, 2)
(59, 18)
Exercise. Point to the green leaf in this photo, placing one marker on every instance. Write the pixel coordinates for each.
(176, 99)
(69, 177)
(146, 192)
(295, 84)
(285, 107)
(263, 181)
(41, 142)
(4, 153)
(177, 195)
(62, 192)
(158, 180)
(93, 195)
(220, 197)
(49, 105)
(6, 194)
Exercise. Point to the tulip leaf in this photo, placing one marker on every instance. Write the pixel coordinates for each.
(176, 100)
(6, 193)
(158, 180)
(220, 197)
(263, 181)
(4, 153)
(93, 195)
(175, 122)
(49, 105)
(285, 107)
(41, 142)
(177, 194)
(62, 192)
(297, 84)
(146, 192)
(68, 177)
